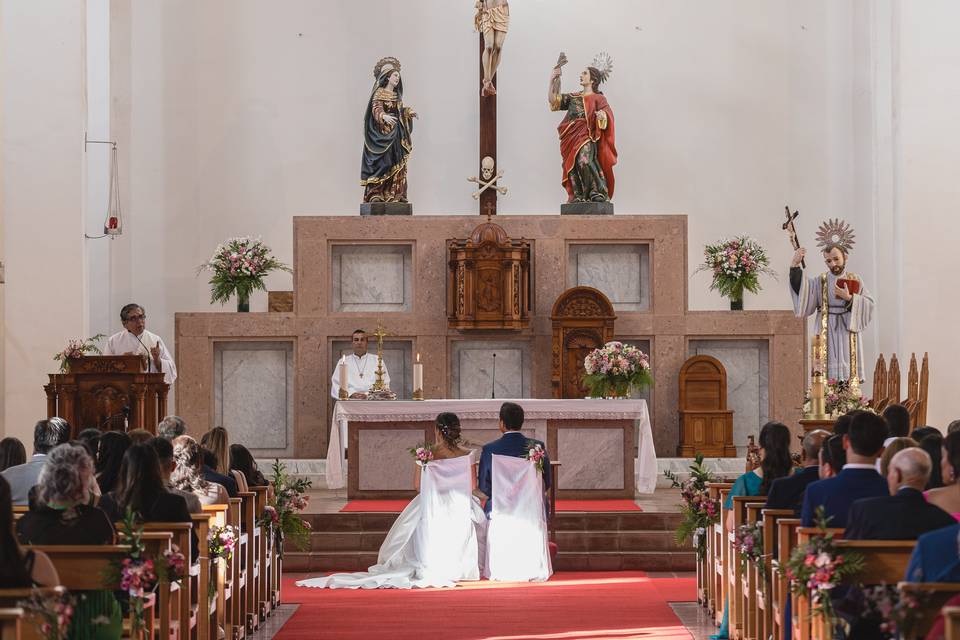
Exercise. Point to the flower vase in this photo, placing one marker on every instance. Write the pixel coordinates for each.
(736, 304)
(243, 303)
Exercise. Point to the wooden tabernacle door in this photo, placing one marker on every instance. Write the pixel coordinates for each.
(582, 321)
(96, 389)
(706, 425)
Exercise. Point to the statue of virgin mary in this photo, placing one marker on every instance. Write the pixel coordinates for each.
(387, 125)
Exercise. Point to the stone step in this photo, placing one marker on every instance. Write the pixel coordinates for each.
(580, 541)
(310, 562)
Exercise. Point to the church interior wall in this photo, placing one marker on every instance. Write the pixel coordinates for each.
(234, 117)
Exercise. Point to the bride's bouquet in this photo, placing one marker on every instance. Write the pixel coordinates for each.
(422, 454)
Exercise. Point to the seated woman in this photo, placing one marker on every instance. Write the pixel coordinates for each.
(113, 444)
(775, 462)
(948, 496)
(437, 540)
(242, 462)
(12, 453)
(140, 489)
(20, 567)
(188, 476)
(63, 515)
(217, 442)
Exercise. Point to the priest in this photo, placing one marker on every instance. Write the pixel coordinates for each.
(361, 370)
(135, 339)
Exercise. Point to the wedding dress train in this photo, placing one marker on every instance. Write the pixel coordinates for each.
(436, 541)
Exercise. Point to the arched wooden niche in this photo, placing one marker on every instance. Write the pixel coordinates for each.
(488, 280)
(706, 425)
(582, 321)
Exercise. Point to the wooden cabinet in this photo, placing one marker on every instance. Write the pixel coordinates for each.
(706, 425)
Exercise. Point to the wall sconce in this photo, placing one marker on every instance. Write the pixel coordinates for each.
(113, 224)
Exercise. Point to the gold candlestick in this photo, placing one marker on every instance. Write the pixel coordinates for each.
(818, 358)
(378, 383)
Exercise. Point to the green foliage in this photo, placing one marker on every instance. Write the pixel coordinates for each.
(699, 512)
(238, 268)
(736, 265)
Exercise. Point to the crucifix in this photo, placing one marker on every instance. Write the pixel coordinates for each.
(792, 231)
(492, 21)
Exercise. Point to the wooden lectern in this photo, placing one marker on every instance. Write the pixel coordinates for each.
(95, 390)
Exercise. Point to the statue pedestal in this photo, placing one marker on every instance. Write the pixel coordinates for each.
(812, 425)
(386, 209)
(586, 209)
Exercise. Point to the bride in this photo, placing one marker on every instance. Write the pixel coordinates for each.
(438, 539)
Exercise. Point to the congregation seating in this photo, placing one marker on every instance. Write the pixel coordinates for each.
(757, 598)
(236, 596)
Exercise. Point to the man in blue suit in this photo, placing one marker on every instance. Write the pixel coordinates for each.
(859, 477)
(935, 557)
(787, 493)
(511, 443)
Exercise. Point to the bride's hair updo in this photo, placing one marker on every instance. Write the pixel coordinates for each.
(448, 424)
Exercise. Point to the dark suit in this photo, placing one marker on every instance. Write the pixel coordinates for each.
(167, 507)
(935, 557)
(511, 443)
(787, 493)
(905, 516)
(837, 494)
(227, 481)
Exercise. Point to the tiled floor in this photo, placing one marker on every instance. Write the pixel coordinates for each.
(695, 618)
(272, 626)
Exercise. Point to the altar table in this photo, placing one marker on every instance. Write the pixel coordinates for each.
(605, 446)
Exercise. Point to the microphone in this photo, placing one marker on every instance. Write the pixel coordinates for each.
(149, 356)
(493, 378)
(125, 412)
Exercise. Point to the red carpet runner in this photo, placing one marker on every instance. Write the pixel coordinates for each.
(572, 605)
(396, 506)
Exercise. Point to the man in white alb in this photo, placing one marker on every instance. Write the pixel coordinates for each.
(361, 369)
(135, 339)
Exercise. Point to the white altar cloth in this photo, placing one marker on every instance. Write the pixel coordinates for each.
(489, 409)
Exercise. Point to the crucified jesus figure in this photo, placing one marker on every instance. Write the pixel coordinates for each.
(492, 21)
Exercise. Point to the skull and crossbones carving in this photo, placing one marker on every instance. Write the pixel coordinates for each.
(487, 179)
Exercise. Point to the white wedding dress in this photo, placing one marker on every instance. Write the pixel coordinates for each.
(435, 542)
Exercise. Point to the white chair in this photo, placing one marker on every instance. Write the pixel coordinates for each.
(517, 536)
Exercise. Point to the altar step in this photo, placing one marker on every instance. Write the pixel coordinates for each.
(590, 541)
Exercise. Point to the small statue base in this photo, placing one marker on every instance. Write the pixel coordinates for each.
(382, 394)
(586, 209)
(386, 209)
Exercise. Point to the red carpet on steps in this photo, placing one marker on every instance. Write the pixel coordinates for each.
(570, 606)
(396, 506)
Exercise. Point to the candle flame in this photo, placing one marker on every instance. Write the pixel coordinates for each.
(418, 357)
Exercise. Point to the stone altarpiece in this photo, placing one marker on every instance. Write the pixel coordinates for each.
(351, 271)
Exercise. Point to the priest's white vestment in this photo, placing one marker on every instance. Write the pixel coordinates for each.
(125, 342)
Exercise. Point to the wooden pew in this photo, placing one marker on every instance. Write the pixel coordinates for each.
(11, 598)
(767, 584)
(721, 549)
(236, 614)
(219, 574)
(735, 594)
(186, 619)
(751, 580)
(248, 523)
(712, 555)
(951, 623)
(264, 560)
(206, 609)
(11, 624)
(801, 613)
(932, 596)
(786, 535)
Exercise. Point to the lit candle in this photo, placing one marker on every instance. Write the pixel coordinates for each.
(418, 379)
(344, 378)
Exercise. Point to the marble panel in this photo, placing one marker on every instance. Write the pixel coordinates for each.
(384, 459)
(592, 458)
(747, 364)
(253, 394)
(472, 369)
(476, 433)
(397, 358)
(371, 277)
(620, 271)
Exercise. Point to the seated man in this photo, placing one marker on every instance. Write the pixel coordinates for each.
(787, 493)
(903, 515)
(512, 443)
(47, 434)
(858, 479)
(935, 558)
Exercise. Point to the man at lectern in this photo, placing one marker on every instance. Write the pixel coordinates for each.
(135, 339)
(361, 369)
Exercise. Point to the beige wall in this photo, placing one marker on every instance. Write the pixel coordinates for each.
(43, 187)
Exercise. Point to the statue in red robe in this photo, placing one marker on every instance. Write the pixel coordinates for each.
(587, 134)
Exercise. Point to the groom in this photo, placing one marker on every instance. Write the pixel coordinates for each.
(511, 443)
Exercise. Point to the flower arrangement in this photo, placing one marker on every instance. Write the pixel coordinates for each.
(239, 267)
(815, 569)
(51, 613)
(172, 565)
(615, 369)
(422, 453)
(699, 511)
(736, 265)
(536, 454)
(895, 612)
(77, 348)
(222, 540)
(289, 499)
(840, 398)
(749, 543)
